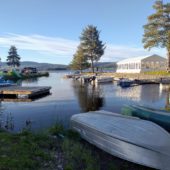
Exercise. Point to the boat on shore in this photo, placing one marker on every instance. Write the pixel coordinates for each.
(126, 137)
(160, 117)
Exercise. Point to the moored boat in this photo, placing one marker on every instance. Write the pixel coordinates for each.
(160, 117)
(126, 137)
(125, 82)
(4, 83)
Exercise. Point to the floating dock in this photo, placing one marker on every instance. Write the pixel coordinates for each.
(24, 92)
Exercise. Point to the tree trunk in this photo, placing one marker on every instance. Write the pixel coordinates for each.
(92, 66)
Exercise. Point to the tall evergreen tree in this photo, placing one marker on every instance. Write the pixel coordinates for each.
(157, 30)
(92, 47)
(79, 61)
(13, 59)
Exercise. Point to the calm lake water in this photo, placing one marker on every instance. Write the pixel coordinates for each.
(69, 97)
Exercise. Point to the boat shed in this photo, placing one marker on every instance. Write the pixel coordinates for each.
(142, 64)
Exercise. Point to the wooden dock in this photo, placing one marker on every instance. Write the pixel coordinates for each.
(21, 91)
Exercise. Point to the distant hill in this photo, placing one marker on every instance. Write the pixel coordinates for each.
(105, 64)
(39, 66)
(49, 66)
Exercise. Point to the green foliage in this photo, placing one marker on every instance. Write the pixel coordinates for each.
(10, 76)
(157, 30)
(21, 151)
(13, 59)
(79, 156)
(72, 135)
(163, 73)
(35, 151)
(92, 46)
(57, 130)
(79, 61)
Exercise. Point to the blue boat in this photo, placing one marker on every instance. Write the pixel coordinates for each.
(125, 82)
(161, 117)
(4, 83)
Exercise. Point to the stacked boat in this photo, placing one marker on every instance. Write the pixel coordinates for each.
(126, 137)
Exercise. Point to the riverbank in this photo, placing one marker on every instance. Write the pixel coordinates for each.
(140, 76)
(58, 149)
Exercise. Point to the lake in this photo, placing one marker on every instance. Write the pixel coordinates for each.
(69, 97)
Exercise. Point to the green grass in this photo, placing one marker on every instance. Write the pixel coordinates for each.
(163, 73)
(31, 151)
(23, 151)
(55, 148)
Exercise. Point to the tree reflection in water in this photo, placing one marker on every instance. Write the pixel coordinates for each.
(89, 97)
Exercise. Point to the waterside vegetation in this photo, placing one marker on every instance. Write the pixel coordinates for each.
(56, 148)
(14, 77)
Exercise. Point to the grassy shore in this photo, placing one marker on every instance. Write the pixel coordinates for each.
(26, 76)
(145, 75)
(58, 149)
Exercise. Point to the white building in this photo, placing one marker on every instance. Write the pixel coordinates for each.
(141, 64)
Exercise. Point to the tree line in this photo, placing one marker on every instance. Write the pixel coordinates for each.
(156, 34)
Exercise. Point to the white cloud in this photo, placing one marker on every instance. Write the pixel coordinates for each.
(52, 46)
(116, 53)
(55, 46)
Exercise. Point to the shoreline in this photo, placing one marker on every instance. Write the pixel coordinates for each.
(140, 76)
(56, 148)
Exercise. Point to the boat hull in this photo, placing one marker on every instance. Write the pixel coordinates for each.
(121, 147)
(125, 83)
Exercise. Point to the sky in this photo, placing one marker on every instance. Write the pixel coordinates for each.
(49, 30)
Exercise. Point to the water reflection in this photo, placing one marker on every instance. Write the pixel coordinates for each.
(167, 105)
(147, 93)
(69, 97)
(165, 89)
(31, 80)
(89, 97)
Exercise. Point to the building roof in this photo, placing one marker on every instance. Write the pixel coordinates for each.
(137, 59)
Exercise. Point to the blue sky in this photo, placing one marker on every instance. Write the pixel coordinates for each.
(49, 30)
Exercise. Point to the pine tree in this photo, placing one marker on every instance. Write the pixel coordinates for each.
(157, 30)
(13, 59)
(79, 61)
(92, 47)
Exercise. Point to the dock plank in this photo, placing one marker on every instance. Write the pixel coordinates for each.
(23, 90)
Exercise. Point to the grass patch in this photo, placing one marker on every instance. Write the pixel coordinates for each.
(23, 151)
(56, 148)
(160, 73)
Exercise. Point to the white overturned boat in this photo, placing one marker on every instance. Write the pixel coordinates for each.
(104, 79)
(129, 138)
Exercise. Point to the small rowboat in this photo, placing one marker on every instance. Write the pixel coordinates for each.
(133, 139)
(160, 117)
